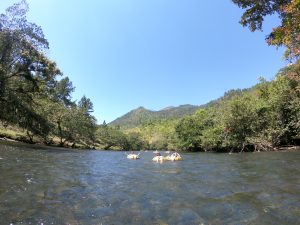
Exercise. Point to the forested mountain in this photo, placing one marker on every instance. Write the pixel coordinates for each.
(141, 115)
(261, 118)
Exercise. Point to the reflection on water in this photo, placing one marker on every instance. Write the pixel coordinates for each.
(55, 186)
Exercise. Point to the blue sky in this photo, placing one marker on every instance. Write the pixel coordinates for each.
(123, 54)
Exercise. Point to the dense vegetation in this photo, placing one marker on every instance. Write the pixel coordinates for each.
(36, 99)
(262, 118)
(31, 95)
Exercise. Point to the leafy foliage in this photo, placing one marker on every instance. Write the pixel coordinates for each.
(25, 72)
(262, 118)
(287, 34)
(31, 97)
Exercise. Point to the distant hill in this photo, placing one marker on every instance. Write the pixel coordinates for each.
(141, 115)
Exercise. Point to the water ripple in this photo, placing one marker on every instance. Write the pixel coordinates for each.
(55, 186)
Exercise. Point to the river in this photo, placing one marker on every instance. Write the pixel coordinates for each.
(40, 185)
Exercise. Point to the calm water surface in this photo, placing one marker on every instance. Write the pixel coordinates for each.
(54, 186)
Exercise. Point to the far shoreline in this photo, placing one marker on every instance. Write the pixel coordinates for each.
(9, 141)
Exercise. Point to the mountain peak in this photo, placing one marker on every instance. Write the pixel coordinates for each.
(140, 108)
(142, 115)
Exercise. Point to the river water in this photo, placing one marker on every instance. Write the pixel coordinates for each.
(40, 185)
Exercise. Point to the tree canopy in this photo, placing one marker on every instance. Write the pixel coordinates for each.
(31, 95)
(287, 33)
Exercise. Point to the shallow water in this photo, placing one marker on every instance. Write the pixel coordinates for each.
(40, 185)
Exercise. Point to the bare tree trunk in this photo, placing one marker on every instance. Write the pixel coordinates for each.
(243, 147)
(60, 133)
(30, 136)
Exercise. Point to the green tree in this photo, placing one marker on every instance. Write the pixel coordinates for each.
(108, 137)
(86, 105)
(25, 71)
(62, 91)
(239, 120)
(282, 97)
(190, 130)
(135, 141)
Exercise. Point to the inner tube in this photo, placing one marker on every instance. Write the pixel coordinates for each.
(133, 156)
(158, 159)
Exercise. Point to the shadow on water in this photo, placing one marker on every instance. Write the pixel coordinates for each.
(55, 186)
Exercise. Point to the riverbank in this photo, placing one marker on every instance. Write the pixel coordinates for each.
(15, 136)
